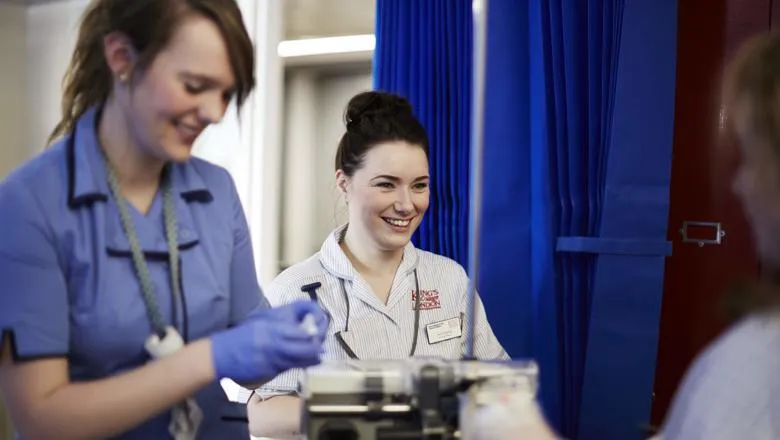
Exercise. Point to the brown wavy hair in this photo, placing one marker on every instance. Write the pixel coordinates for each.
(149, 25)
(752, 83)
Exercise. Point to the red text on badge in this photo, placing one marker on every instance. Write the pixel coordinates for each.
(429, 299)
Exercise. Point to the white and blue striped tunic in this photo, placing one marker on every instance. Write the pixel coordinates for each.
(376, 330)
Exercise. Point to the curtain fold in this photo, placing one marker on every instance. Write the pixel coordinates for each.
(423, 51)
(573, 59)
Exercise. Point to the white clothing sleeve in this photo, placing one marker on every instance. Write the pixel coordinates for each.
(278, 294)
(486, 345)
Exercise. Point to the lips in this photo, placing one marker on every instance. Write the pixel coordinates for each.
(188, 133)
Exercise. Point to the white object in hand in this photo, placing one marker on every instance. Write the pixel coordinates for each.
(309, 325)
(168, 345)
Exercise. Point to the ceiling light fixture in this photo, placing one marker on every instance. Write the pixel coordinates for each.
(327, 45)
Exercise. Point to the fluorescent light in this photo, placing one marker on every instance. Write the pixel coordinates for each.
(327, 45)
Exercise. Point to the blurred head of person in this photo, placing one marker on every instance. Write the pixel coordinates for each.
(163, 69)
(752, 99)
(382, 171)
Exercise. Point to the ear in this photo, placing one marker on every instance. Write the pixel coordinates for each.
(120, 56)
(342, 181)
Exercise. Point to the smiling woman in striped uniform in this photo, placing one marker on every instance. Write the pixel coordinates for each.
(386, 299)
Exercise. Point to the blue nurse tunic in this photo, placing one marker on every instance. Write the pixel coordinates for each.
(68, 286)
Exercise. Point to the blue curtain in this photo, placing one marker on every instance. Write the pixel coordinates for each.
(578, 135)
(575, 63)
(631, 236)
(423, 51)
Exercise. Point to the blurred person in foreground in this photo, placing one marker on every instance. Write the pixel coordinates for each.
(128, 282)
(732, 390)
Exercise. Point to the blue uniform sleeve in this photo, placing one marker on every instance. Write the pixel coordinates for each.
(34, 306)
(245, 293)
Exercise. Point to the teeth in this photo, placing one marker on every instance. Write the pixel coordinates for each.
(396, 222)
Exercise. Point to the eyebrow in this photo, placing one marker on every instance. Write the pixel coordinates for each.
(396, 179)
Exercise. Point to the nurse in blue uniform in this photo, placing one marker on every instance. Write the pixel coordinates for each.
(127, 283)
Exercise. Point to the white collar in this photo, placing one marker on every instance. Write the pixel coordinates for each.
(335, 261)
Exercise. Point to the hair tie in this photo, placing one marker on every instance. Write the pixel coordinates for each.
(353, 124)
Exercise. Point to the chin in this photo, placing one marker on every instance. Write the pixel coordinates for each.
(178, 153)
(394, 242)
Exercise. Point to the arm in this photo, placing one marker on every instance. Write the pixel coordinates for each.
(274, 411)
(34, 376)
(486, 345)
(245, 293)
(40, 397)
(275, 417)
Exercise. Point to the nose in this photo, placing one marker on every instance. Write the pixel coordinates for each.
(404, 203)
(212, 108)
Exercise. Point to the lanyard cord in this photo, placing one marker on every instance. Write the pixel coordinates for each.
(141, 267)
(416, 311)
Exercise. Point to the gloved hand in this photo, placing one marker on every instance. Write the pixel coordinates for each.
(297, 311)
(267, 343)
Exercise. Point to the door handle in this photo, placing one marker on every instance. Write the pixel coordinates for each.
(702, 233)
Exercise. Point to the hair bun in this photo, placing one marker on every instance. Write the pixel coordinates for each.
(369, 105)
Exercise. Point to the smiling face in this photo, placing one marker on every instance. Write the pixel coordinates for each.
(186, 88)
(388, 195)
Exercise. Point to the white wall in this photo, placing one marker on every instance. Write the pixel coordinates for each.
(51, 37)
(13, 80)
(334, 92)
(314, 109)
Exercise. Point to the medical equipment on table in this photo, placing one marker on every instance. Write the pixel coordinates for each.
(419, 398)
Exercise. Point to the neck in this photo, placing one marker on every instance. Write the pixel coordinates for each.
(370, 261)
(135, 169)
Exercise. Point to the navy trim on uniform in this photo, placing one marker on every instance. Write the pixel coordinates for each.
(151, 255)
(8, 335)
(85, 199)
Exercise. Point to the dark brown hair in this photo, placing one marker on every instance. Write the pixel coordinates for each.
(752, 85)
(149, 25)
(373, 118)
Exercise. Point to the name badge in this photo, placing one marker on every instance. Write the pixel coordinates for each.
(444, 330)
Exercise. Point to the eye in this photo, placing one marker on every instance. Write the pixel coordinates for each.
(228, 96)
(421, 186)
(193, 88)
(384, 185)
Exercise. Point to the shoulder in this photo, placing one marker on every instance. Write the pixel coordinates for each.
(752, 335)
(756, 338)
(287, 285)
(205, 181)
(37, 185)
(731, 382)
(440, 264)
(215, 177)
